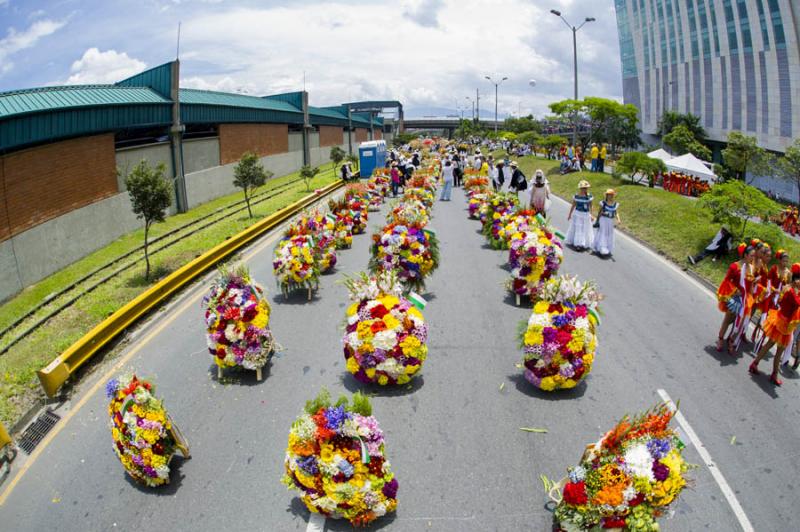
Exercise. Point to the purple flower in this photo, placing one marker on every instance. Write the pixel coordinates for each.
(335, 416)
(309, 465)
(660, 471)
(390, 489)
(658, 448)
(111, 388)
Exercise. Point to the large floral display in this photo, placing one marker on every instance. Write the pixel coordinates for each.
(476, 183)
(534, 257)
(144, 437)
(343, 222)
(498, 205)
(409, 212)
(323, 232)
(385, 336)
(357, 198)
(336, 459)
(295, 264)
(559, 338)
(477, 201)
(411, 251)
(627, 480)
(423, 195)
(237, 322)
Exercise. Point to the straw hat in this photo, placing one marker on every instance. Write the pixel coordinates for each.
(611, 192)
(584, 184)
(514, 163)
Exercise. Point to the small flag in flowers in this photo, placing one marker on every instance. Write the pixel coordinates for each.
(594, 315)
(364, 452)
(429, 233)
(331, 217)
(417, 300)
(560, 235)
(540, 219)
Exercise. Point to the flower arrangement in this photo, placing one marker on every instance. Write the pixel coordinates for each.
(518, 222)
(322, 230)
(534, 257)
(498, 205)
(357, 197)
(295, 263)
(476, 201)
(413, 252)
(426, 182)
(336, 459)
(385, 336)
(375, 197)
(409, 212)
(141, 430)
(381, 182)
(237, 321)
(559, 338)
(422, 195)
(628, 479)
(343, 224)
(476, 182)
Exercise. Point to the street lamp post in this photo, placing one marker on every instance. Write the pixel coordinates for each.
(496, 85)
(574, 64)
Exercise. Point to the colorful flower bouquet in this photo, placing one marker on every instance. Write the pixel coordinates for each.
(237, 322)
(357, 197)
(413, 252)
(375, 197)
(295, 264)
(559, 338)
(520, 221)
(427, 182)
(535, 257)
(422, 195)
(322, 230)
(498, 205)
(336, 460)
(144, 438)
(343, 224)
(476, 201)
(385, 336)
(409, 212)
(382, 183)
(476, 183)
(627, 480)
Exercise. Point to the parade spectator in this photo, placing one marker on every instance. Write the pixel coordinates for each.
(595, 154)
(607, 215)
(602, 159)
(719, 246)
(395, 174)
(448, 175)
(540, 194)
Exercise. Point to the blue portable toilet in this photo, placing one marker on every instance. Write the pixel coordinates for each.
(371, 155)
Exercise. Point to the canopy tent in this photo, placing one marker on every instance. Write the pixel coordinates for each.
(660, 154)
(691, 165)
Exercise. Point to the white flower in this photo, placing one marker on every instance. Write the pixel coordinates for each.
(391, 367)
(231, 333)
(639, 462)
(354, 341)
(539, 319)
(379, 509)
(629, 493)
(385, 340)
(350, 428)
(582, 323)
(325, 504)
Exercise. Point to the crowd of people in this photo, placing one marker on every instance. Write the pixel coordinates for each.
(684, 184)
(788, 220)
(573, 158)
(769, 296)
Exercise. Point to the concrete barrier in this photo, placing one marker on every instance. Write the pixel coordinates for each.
(62, 367)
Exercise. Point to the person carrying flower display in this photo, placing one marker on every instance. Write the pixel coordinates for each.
(736, 297)
(780, 326)
(580, 233)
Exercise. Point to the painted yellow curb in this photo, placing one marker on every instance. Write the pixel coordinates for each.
(55, 374)
(5, 439)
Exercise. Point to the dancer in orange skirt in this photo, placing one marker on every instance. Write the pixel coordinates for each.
(780, 326)
(762, 305)
(736, 296)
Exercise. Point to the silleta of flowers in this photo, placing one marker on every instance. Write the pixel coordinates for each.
(520, 221)
(412, 252)
(322, 230)
(476, 202)
(357, 198)
(385, 335)
(628, 479)
(427, 182)
(559, 338)
(381, 182)
(141, 429)
(409, 212)
(343, 225)
(534, 257)
(237, 321)
(476, 183)
(336, 460)
(422, 195)
(295, 264)
(497, 206)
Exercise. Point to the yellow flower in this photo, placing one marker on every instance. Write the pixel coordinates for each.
(403, 379)
(391, 322)
(370, 372)
(326, 452)
(383, 380)
(261, 320)
(364, 330)
(541, 307)
(533, 336)
(410, 346)
(352, 365)
(389, 302)
(548, 384)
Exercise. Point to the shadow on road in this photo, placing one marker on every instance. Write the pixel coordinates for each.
(175, 480)
(296, 297)
(354, 386)
(530, 390)
(763, 383)
(342, 525)
(723, 357)
(239, 375)
(510, 299)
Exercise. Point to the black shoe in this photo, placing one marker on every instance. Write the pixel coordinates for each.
(691, 259)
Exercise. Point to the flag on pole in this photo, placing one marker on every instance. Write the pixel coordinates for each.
(417, 300)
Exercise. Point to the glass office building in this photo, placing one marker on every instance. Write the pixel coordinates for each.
(734, 63)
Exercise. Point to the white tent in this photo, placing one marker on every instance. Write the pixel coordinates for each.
(691, 165)
(660, 154)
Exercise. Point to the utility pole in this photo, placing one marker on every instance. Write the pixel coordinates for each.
(477, 105)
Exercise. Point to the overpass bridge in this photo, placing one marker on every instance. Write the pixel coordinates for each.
(447, 125)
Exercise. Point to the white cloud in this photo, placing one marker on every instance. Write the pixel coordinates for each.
(16, 41)
(224, 84)
(379, 50)
(103, 67)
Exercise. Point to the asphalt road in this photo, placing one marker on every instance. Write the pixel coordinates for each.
(452, 436)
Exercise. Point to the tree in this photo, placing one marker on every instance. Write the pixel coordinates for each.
(401, 139)
(609, 121)
(681, 140)
(789, 165)
(248, 175)
(308, 173)
(468, 128)
(636, 163)
(735, 203)
(743, 155)
(522, 124)
(151, 195)
(551, 145)
(672, 119)
(337, 156)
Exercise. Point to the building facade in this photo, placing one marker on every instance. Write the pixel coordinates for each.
(734, 63)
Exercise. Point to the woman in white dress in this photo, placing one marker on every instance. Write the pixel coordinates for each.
(540, 194)
(580, 234)
(607, 214)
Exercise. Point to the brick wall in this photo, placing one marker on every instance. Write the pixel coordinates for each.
(45, 182)
(330, 136)
(378, 134)
(362, 135)
(263, 139)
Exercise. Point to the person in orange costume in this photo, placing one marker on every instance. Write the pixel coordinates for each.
(735, 297)
(780, 326)
(762, 304)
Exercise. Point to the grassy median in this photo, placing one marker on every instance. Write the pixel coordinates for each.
(670, 223)
(19, 386)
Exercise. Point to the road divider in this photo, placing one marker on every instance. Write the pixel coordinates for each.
(55, 374)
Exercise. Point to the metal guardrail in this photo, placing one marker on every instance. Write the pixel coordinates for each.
(55, 374)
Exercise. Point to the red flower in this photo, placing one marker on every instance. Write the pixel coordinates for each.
(575, 493)
(563, 337)
(636, 501)
(231, 313)
(377, 326)
(378, 312)
(580, 311)
(614, 522)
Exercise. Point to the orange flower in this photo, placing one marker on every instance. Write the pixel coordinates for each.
(611, 494)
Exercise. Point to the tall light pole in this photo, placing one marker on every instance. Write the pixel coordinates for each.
(496, 85)
(477, 105)
(575, 64)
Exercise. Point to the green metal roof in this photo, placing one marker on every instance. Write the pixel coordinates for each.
(22, 102)
(200, 97)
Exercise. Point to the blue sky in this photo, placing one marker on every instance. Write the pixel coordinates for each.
(430, 54)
